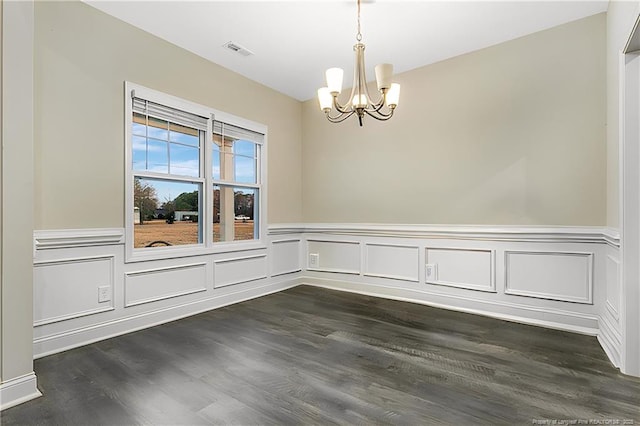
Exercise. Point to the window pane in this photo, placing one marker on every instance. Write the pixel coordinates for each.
(139, 152)
(166, 213)
(155, 153)
(185, 160)
(222, 159)
(138, 126)
(158, 129)
(246, 148)
(245, 207)
(184, 135)
(245, 169)
(216, 162)
(234, 160)
(157, 156)
(234, 213)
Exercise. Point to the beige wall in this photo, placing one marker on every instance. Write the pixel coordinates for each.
(82, 58)
(512, 134)
(1, 179)
(621, 16)
(17, 191)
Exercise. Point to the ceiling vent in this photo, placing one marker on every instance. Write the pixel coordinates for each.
(235, 47)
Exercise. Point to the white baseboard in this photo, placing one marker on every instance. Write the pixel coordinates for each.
(610, 340)
(539, 316)
(18, 390)
(70, 339)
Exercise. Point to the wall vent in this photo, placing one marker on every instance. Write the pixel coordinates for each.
(235, 47)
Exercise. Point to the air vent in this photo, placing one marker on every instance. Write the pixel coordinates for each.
(235, 47)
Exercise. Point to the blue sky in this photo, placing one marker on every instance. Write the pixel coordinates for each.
(154, 146)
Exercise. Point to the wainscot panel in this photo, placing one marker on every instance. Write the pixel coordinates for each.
(151, 285)
(613, 287)
(333, 256)
(472, 269)
(237, 270)
(392, 261)
(285, 256)
(70, 288)
(563, 276)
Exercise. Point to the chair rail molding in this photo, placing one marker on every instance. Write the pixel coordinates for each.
(579, 234)
(69, 238)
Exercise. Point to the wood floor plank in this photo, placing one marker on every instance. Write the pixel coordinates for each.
(315, 356)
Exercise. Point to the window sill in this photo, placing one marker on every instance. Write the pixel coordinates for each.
(163, 253)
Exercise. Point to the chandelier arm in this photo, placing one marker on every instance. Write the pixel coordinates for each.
(339, 118)
(387, 114)
(342, 109)
(363, 89)
(379, 116)
(377, 107)
(355, 79)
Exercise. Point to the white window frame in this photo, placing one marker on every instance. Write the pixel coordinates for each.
(207, 246)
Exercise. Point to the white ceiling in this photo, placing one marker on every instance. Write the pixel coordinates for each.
(294, 42)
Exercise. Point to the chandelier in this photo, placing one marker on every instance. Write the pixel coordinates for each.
(360, 101)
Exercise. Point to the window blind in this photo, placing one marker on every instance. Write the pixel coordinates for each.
(142, 106)
(235, 132)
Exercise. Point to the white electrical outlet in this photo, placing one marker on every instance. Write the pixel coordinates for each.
(104, 294)
(432, 272)
(314, 260)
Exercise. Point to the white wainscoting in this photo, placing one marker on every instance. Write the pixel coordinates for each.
(338, 256)
(392, 261)
(549, 276)
(562, 276)
(81, 277)
(151, 285)
(285, 256)
(471, 269)
(566, 278)
(610, 339)
(71, 265)
(241, 269)
(613, 301)
(610, 330)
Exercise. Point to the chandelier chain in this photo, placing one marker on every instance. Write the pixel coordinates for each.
(359, 35)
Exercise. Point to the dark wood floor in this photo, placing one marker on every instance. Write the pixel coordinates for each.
(314, 356)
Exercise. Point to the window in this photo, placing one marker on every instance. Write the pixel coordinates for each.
(194, 176)
(236, 185)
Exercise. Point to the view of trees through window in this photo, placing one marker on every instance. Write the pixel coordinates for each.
(175, 221)
(171, 221)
